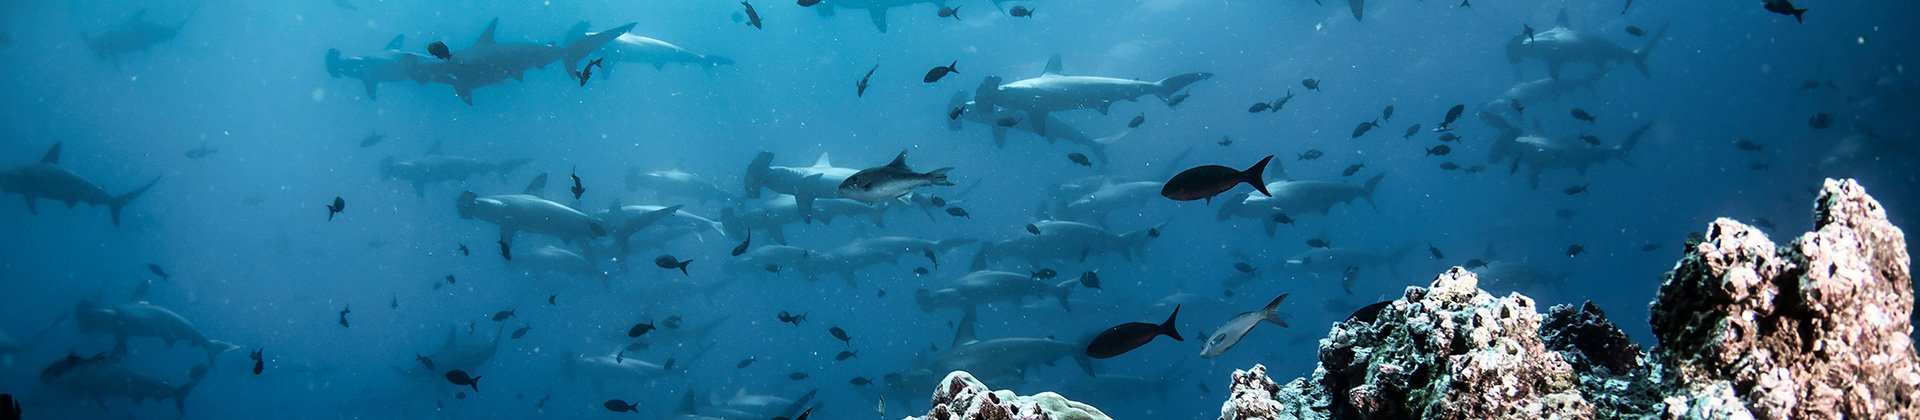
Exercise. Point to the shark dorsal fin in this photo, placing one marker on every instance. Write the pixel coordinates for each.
(537, 187)
(686, 403)
(823, 161)
(1053, 66)
(487, 36)
(53, 155)
(963, 333)
(1562, 20)
(397, 42)
(899, 161)
(140, 292)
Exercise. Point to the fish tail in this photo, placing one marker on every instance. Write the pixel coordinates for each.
(475, 383)
(1271, 313)
(1253, 175)
(1168, 327)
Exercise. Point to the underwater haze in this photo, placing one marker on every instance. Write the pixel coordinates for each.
(701, 215)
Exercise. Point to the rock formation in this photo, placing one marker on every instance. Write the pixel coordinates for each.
(961, 397)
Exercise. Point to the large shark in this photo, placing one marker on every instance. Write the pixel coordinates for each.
(1292, 198)
(436, 168)
(876, 9)
(131, 35)
(773, 214)
(529, 213)
(805, 184)
(10, 346)
(1057, 128)
(987, 286)
(675, 182)
(1534, 93)
(851, 257)
(1062, 241)
(1055, 91)
(101, 376)
(488, 61)
(741, 406)
(654, 225)
(996, 360)
(390, 65)
(1540, 152)
(549, 259)
(139, 318)
(1563, 44)
(46, 179)
(633, 48)
(1112, 197)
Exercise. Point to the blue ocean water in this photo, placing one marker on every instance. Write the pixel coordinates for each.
(251, 138)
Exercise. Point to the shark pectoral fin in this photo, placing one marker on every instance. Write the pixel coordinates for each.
(1039, 121)
(1104, 106)
(32, 208)
(371, 87)
(879, 16)
(999, 137)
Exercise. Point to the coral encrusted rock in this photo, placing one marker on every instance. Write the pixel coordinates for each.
(961, 397)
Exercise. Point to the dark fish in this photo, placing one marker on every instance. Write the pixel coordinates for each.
(372, 139)
(771, 268)
(840, 334)
(1441, 150)
(860, 381)
(1387, 114)
(439, 50)
(1635, 31)
(1575, 249)
(935, 259)
(1576, 189)
(1319, 243)
(1590, 139)
(1282, 218)
(1224, 141)
(1020, 11)
(1366, 314)
(1033, 229)
(502, 315)
(1282, 102)
(745, 362)
(450, 279)
(1448, 166)
(1079, 159)
(1045, 274)
(1411, 130)
(586, 72)
(1007, 121)
(792, 319)
(551, 298)
(343, 316)
(577, 188)
(742, 247)
(339, 205)
(1177, 99)
(1448, 137)
(938, 202)
(1748, 145)
(259, 361)
(672, 322)
(1582, 115)
(958, 212)
(459, 377)
(1243, 267)
(956, 112)
(846, 354)
(464, 252)
(200, 152)
(640, 329)
(1311, 154)
(753, 17)
(424, 361)
(1785, 7)
(1820, 121)
(668, 262)
(1476, 263)
(1476, 169)
(1204, 182)
(156, 270)
(808, 3)
(860, 89)
(920, 271)
(1453, 114)
(1364, 127)
(1123, 338)
(1353, 169)
(1650, 246)
(395, 303)
(619, 406)
(934, 74)
(880, 293)
(1758, 166)
(1090, 280)
(1311, 84)
(1137, 120)
(952, 12)
(797, 376)
(522, 331)
(1259, 107)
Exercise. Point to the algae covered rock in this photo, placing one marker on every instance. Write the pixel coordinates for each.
(961, 397)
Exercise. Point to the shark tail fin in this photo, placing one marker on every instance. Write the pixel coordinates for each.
(579, 49)
(1062, 291)
(120, 201)
(939, 177)
(334, 68)
(1640, 55)
(216, 347)
(180, 394)
(1633, 140)
(710, 61)
(1099, 146)
(1172, 85)
(1367, 190)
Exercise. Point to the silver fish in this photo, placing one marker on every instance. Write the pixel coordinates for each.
(1231, 332)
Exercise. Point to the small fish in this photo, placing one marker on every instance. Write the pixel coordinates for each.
(1387, 114)
(587, 72)
(1045, 274)
(1137, 120)
(395, 303)
(1590, 139)
(1120, 339)
(372, 139)
(640, 329)
(1453, 114)
(618, 406)
(552, 298)
(464, 252)
(1449, 137)
(1259, 107)
(1033, 229)
(1820, 121)
(1090, 280)
(1311, 84)
(753, 17)
(1411, 130)
(1282, 102)
(1311, 154)
(1007, 121)
(343, 316)
(521, 332)
(1575, 249)
(1582, 115)
(742, 247)
(958, 212)
(1282, 218)
(1224, 141)
(846, 354)
(1649, 247)
(792, 319)
(1477, 263)
(1177, 99)
(808, 3)
(460, 377)
(1020, 11)
(1476, 169)
(440, 51)
(1758, 166)
(1243, 267)
(1204, 182)
(502, 315)
(1748, 145)
(201, 152)
(938, 202)
(577, 188)
(1448, 166)
(936, 73)
(771, 268)
(1636, 31)
(745, 362)
(1575, 189)
(450, 279)
(156, 270)
(1320, 243)
(1527, 30)
(880, 293)
(1079, 159)
(1436, 252)
(860, 90)
(672, 322)
(841, 334)
(668, 262)
(952, 12)
(860, 381)
(956, 112)
(797, 376)
(1353, 169)
(920, 271)
(1441, 150)
(339, 205)
(259, 361)
(1785, 7)
(424, 361)
(472, 327)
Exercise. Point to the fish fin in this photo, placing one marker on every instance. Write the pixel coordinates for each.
(1253, 175)
(486, 37)
(823, 161)
(999, 137)
(939, 177)
(1168, 327)
(879, 16)
(899, 161)
(1271, 311)
(537, 186)
(397, 42)
(120, 201)
(1562, 19)
(53, 155)
(1053, 66)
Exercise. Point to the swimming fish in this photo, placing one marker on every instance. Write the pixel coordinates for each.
(1204, 182)
(1236, 328)
(1123, 338)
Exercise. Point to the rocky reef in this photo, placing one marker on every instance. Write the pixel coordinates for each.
(961, 397)
(1819, 328)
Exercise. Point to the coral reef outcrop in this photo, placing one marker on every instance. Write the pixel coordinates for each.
(961, 397)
